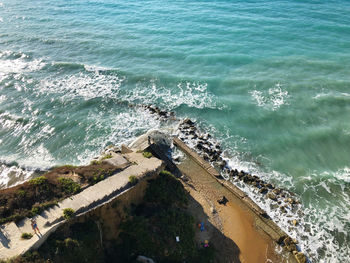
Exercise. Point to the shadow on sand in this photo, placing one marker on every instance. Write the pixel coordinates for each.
(226, 250)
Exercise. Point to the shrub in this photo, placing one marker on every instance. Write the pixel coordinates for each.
(71, 243)
(68, 213)
(68, 185)
(133, 179)
(36, 210)
(95, 162)
(41, 180)
(26, 236)
(108, 156)
(21, 194)
(166, 189)
(147, 154)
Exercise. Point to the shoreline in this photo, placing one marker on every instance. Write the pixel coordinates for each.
(235, 219)
(240, 220)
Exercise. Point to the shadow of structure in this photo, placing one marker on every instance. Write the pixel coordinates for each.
(226, 250)
(3, 239)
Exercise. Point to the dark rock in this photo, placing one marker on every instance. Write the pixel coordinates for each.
(199, 146)
(188, 121)
(163, 113)
(222, 164)
(272, 196)
(300, 257)
(270, 186)
(263, 190)
(276, 191)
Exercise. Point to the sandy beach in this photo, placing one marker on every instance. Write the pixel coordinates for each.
(241, 241)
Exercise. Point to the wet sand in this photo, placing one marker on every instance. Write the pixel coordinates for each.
(234, 219)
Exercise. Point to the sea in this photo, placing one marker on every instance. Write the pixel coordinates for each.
(270, 80)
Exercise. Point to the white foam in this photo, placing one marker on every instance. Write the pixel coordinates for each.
(318, 220)
(121, 128)
(192, 94)
(11, 62)
(83, 85)
(13, 173)
(271, 99)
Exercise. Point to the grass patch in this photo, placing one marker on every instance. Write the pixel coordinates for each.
(95, 162)
(68, 213)
(147, 154)
(108, 156)
(26, 236)
(133, 179)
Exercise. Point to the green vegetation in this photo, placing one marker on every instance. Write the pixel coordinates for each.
(95, 162)
(36, 195)
(133, 179)
(167, 190)
(26, 236)
(68, 213)
(108, 156)
(149, 229)
(153, 225)
(69, 186)
(39, 181)
(147, 154)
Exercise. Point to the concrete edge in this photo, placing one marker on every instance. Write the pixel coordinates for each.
(272, 230)
(104, 201)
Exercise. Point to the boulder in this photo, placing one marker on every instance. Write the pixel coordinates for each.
(188, 121)
(263, 190)
(270, 186)
(276, 191)
(299, 256)
(272, 196)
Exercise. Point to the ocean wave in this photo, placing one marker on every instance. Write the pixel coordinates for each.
(17, 62)
(99, 82)
(332, 96)
(322, 217)
(12, 175)
(271, 99)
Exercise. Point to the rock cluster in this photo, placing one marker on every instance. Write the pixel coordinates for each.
(211, 151)
(164, 115)
(291, 245)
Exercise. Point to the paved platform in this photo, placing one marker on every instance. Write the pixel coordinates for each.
(11, 243)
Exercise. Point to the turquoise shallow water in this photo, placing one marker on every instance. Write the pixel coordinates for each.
(269, 79)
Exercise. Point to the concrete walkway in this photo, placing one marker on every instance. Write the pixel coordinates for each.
(11, 243)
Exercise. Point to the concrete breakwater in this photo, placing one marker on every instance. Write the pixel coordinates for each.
(208, 153)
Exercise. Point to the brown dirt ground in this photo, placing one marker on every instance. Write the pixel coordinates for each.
(231, 228)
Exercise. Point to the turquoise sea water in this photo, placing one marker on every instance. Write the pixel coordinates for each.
(270, 79)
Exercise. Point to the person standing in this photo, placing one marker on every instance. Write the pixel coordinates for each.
(35, 226)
